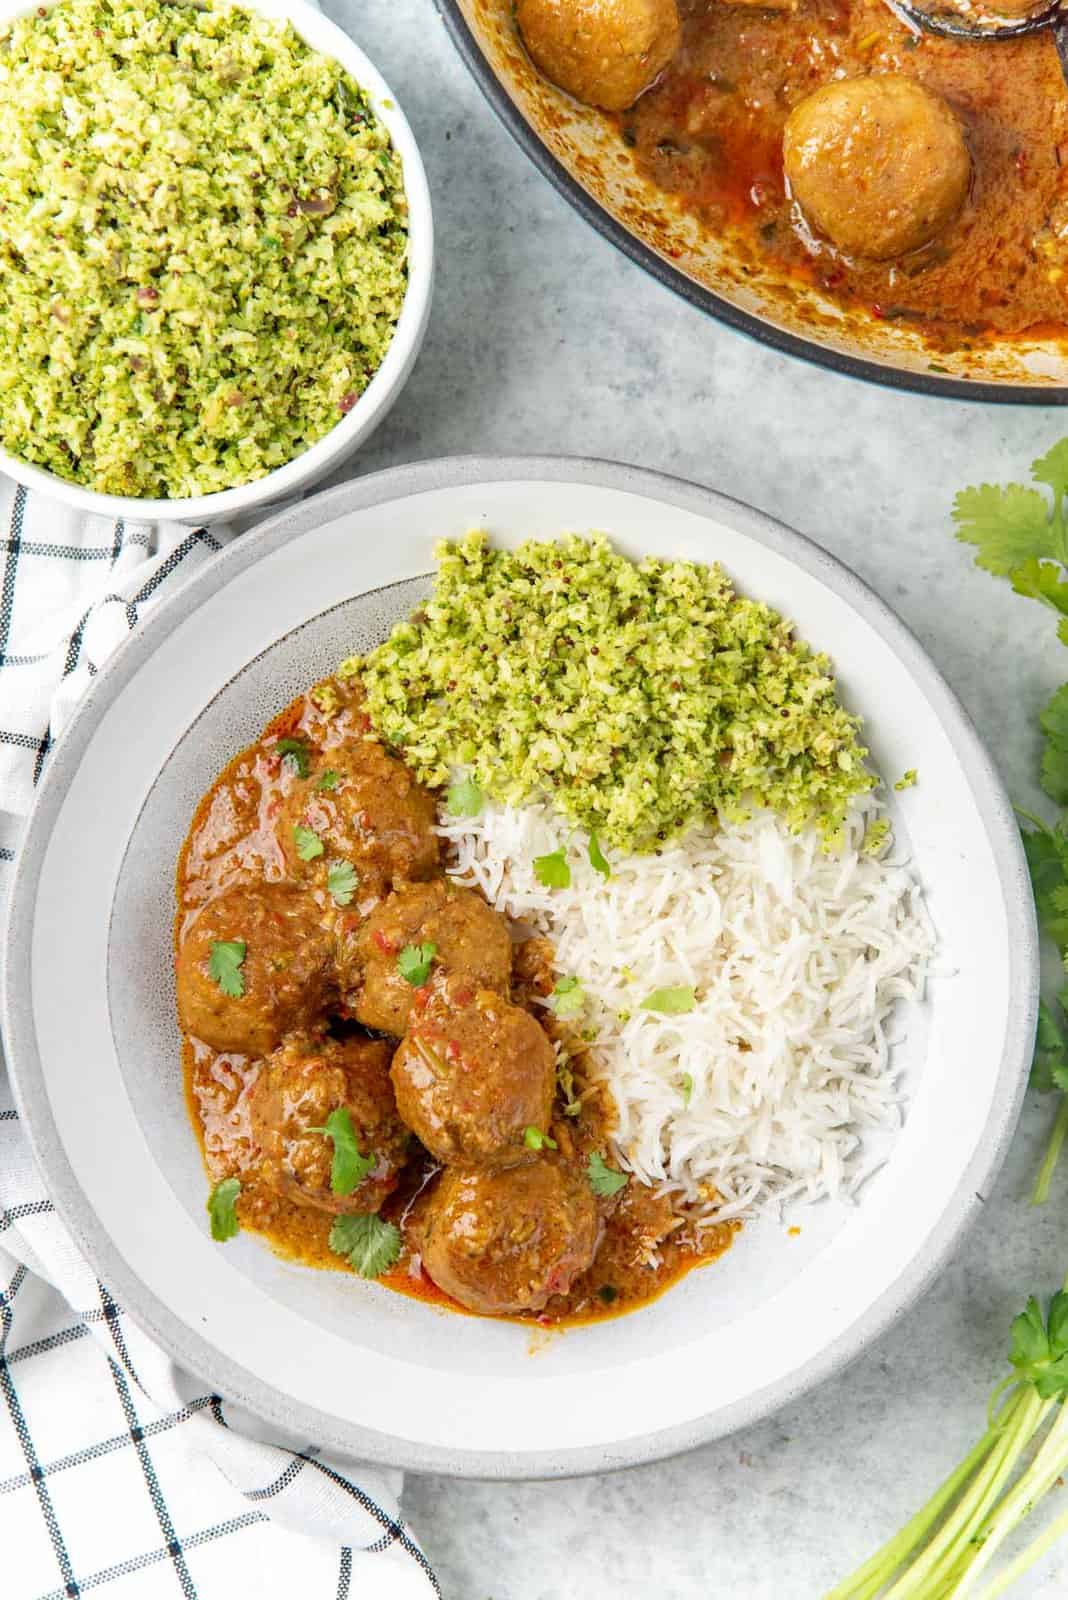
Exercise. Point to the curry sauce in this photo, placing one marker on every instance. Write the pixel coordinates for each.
(646, 1241)
(710, 133)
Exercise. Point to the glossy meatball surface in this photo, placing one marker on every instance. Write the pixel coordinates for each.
(506, 1241)
(286, 977)
(301, 1083)
(604, 52)
(879, 165)
(365, 808)
(472, 1073)
(468, 936)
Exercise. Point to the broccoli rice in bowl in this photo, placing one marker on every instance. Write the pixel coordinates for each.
(204, 244)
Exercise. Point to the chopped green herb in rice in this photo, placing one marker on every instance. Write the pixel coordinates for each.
(642, 697)
(203, 244)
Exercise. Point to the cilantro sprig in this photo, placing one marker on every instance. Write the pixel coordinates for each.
(308, 843)
(464, 799)
(598, 860)
(534, 1139)
(603, 1179)
(1017, 531)
(369, 1244)
(415, 961)
(342, 881)
(671, 1002)
(350, 1166)
(945, 1547)
(552, 870)
(568, 997)
(224, 965)
(1021, 535)
(294, 752)
(222, 1209)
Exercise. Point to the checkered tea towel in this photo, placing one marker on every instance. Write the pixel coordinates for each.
(118, 1472)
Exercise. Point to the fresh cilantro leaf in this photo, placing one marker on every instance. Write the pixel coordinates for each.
(671, 1002)
(464, 799)
(309, 845)
(1049, 1068)
(328, 779)
(597, 860)
(1052, 1380)
(222, 1209)
(295, 751)
(534, 1139)
(553, 870)
(1054, 721)
(367, 1242)
(415, 961)
(342, 882)
(568, 997)
(224, 965)
(350, 1166)
(1052, 468)
(604, 1180)
(1030, 1342)
(687, 1088)
(1047, 858)
(1041, 580)
(1007, 523)
(1057, 1324)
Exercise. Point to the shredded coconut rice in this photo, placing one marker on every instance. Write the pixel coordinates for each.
(763, 1092)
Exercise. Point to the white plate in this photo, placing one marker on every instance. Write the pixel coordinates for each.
(91, 1037)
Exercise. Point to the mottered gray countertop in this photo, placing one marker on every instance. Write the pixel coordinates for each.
(543, 338)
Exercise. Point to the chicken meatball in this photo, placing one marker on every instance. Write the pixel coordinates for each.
(604, 52)
(363, 807)
(472, 1073)
(468, 937)
(507, 1241)
(255, 963)
(879, 165)
(299, 1086)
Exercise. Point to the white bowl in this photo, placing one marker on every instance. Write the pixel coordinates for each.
(374, 404)
(91, 1037)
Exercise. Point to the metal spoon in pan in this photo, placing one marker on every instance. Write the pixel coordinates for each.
(973, 22)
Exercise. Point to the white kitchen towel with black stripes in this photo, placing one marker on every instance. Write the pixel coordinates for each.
(118, 1471)
(72, 589)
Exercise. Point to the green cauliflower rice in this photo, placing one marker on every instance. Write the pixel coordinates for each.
(640, 697)
(203, 244)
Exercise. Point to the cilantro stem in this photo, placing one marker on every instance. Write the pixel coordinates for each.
(880, 1568)
(1029, 816)
(1057, 522)
(1039, 1477)
(951, 1542)
(1027, 1558)
(1040, 1194)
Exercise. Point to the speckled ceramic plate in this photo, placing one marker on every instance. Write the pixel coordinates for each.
(90, 1033)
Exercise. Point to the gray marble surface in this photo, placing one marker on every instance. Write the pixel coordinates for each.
(544, 338)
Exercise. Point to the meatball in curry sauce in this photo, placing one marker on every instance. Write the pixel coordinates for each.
(879, 165)
(830, 147)
(372, 1070)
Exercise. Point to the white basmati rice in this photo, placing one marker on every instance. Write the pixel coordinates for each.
(797, 958)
